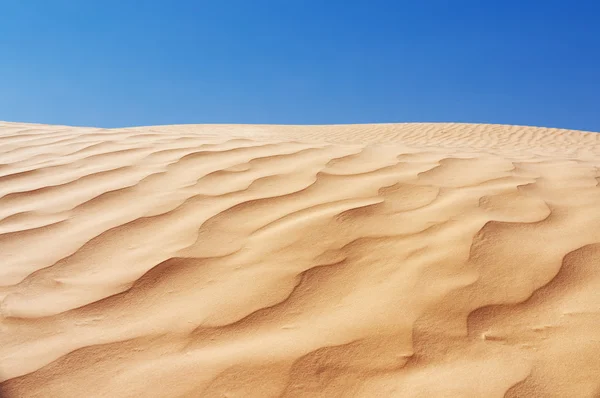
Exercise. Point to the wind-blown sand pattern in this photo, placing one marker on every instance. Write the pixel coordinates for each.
(410, 260)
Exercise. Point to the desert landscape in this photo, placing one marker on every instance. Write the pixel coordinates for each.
(384, 260)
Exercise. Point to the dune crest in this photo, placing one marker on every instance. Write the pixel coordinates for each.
(393, 260)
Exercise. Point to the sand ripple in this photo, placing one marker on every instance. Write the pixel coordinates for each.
(413, 260)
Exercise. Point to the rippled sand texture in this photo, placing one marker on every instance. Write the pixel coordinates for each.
(414, 260)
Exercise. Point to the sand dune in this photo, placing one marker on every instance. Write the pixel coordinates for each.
(398, 260)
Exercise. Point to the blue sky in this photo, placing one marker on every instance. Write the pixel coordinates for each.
(123, 63)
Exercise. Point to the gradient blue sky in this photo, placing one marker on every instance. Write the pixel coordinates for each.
(122, 63)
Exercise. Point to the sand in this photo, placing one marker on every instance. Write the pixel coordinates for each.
(393, 260)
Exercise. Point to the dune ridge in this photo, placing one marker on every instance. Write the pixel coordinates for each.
(392, 260)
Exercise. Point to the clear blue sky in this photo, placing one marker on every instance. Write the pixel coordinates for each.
(118, 63)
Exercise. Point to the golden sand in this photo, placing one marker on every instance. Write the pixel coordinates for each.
(393, 260)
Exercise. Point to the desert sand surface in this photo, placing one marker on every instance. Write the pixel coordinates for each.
(392, 260)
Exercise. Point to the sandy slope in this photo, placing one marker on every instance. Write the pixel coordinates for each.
(416, 260)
